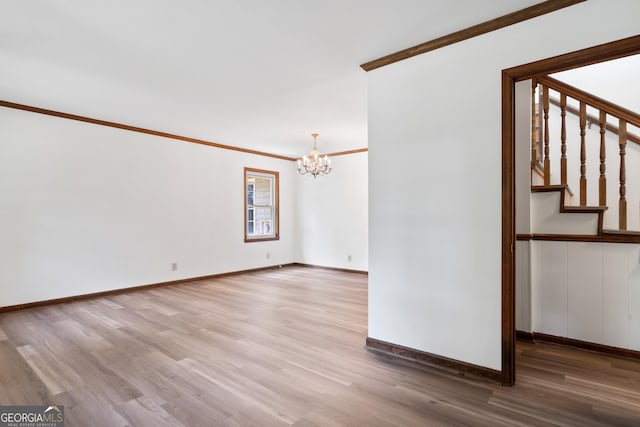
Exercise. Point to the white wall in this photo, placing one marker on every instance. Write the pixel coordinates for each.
(587, 291)
(86, 208)
(332, 215)
(435, 180)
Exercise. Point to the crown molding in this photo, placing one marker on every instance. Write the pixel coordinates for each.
(130, 128)
(344, 153)
(470, 32)
(99, 122)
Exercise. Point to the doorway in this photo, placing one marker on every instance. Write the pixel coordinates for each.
(596, 54)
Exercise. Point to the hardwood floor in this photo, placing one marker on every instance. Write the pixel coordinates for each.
(279, 347)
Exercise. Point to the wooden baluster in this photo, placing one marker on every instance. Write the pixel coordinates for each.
(563, 139)
(583, 155)
(547, 162)
(540, 142)
(603, 155)
(622, 209)
(534, 133)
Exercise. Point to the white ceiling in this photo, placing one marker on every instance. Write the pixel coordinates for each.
(250, 73)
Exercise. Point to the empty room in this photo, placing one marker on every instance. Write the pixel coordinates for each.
(338, 213)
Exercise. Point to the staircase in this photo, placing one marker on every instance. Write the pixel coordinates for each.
(574, 283)
(566, 154)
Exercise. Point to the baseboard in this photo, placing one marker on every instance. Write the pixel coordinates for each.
(425, 358)
(600, 348)
(63, 300)
(344, 270)
(524, 336)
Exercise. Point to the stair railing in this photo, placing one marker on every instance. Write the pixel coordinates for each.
(607, 112)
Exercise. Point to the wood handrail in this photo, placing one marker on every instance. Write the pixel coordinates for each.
(596, 121)
(594, 101)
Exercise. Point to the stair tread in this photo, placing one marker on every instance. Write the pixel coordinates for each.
(621, 232)
(567, 208)
(554, 187)
(543, 188)
(585, 208)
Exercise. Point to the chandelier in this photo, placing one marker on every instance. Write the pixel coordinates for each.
(314, 164)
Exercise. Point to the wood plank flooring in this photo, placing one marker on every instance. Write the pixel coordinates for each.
(276, 348)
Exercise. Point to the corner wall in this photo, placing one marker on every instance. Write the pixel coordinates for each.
(435, 180)
(332, 215)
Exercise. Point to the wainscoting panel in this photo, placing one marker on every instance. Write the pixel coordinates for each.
(615, 294)
(553, 295)
(523, 287)
(634, 297)
(587, 291)
(584, 291)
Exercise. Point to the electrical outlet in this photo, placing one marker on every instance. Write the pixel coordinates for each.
(349, 258)
(174, 266)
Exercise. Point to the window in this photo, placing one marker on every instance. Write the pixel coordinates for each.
(261, 205)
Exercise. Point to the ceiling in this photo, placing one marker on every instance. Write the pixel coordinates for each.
(255, 74)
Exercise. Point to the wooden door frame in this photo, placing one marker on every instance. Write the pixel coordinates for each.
(580, 58)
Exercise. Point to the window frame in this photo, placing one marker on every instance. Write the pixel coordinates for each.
(275, 220)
